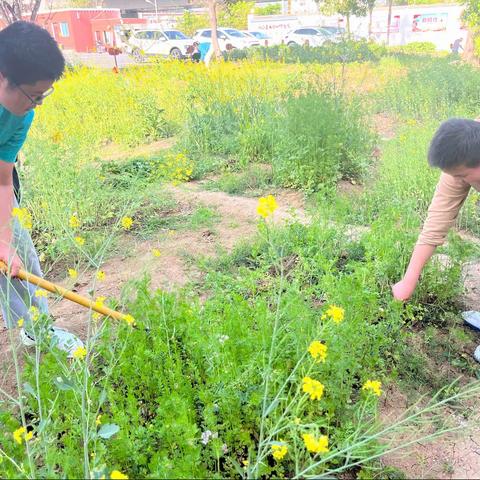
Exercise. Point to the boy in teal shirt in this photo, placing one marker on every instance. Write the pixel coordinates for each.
(30, 62)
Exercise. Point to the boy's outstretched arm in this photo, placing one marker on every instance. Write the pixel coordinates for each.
(404, 289)
(7, 250)
(449, 196)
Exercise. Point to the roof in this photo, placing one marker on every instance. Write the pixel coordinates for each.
(144, 5)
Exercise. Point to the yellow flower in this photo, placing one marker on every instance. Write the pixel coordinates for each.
(266, 206)
(156, 252)
(80, 353)
(313, 387)
(34, 313)
(279, 451)
(127, 223)
(79, 241)
(20, 322)
(74, 222)
(297, 421)
(41, 293)
(23, 216)
(373, 386)
(116, 475)
(98, 421)
(72, 273)
(17, 434)
(99, 301)
(315, 445)
(246, 463)
(21, 433)
(129, 319)
(318, 351)
(41, 257)
(337, 314)
(101, 275)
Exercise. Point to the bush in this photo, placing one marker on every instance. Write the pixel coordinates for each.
(343, 52)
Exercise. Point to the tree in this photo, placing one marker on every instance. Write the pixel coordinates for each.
(370, 6)
(389, 20)
(14, 10)
(347, 8)
(471, 17)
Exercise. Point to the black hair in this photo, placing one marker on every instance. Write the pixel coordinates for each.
(455, 143)
(29, 54)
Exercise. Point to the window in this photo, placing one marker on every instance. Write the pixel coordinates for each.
(235, 33)
(175, 35)
(207, 34)
(64, 30)
(108, 37)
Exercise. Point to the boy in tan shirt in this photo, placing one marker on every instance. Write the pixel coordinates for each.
(455, 149)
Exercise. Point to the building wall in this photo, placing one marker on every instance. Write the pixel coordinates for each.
(82, 26)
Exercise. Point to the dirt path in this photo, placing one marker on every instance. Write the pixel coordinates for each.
(238, 221)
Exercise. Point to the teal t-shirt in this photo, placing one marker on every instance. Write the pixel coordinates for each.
(13, 132)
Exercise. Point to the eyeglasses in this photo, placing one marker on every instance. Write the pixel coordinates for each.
(37, 100)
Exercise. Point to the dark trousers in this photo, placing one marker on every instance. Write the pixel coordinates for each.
(16, 185)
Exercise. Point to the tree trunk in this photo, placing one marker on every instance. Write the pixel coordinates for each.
(11, 10)
(34, 10)
(212, 12)
(370, 13)
(469, 50)
(389, 20)
(348, 24)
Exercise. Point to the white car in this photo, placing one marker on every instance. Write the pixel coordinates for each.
(312, 36)
(165, 43)
(264, 39)
(227, 37)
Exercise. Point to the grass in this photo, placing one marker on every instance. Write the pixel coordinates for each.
(234, 367)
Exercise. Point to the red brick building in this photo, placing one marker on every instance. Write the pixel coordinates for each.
(84, 29)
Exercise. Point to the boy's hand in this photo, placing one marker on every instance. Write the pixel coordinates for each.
(10, 258)
(403, 290)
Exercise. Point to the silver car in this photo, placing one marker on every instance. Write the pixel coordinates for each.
(311, 36)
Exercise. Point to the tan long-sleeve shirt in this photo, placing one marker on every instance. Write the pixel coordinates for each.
(447, 200)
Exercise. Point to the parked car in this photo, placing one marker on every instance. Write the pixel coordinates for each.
(312, 36)
(339, 32)
(166, 43)
(263, 38)
(227, 37)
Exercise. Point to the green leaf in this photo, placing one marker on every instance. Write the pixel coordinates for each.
(108, 430)
(64, 383)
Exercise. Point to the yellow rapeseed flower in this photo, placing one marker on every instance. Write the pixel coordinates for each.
(117, 475)
(101, 275)
(21, 433)
(127, 223)
(318, 351)
(337, 314)
(72, 273)
(279, 451)
(41, 293)
(156, 252)
(315, 445)
(79, 241)
(98, 421)
(34, 313)
(129, 319)
(266, 206)
(74, 222)
(374, 386)
(23, 216)
(80, 353)
(313, 387)
(17, 434)
(20, 322)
